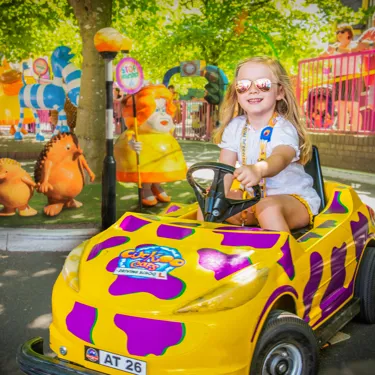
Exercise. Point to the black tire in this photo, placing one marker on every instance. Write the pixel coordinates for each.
(365, 287)
(297, 347)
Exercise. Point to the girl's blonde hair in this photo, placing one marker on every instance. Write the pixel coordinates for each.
(287, 107)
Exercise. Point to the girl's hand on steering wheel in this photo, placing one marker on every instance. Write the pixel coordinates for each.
(248, 175)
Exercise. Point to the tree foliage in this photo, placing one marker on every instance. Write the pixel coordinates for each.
(164, 33)
(223, 32)
(35, 27)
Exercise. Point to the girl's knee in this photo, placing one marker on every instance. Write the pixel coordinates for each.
(268, 206)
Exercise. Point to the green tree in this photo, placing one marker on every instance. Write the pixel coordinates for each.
(224, 32)
(38, 26)
(27, 26)
(91, 16)
(165, 32)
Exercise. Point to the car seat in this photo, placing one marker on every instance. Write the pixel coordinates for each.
(314, 169)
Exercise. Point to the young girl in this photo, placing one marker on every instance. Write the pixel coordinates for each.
(271, 145)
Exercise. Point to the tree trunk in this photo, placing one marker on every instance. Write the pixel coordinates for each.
(92, 15)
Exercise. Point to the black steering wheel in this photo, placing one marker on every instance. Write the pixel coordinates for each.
(213, 202)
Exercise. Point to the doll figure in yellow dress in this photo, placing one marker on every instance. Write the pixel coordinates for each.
(160, 156)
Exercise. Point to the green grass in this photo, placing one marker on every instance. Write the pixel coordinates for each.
(126, 196)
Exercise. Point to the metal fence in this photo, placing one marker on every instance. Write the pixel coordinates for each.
(195, 120)
(336, 93)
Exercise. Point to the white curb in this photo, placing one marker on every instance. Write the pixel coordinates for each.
(12, 239)
(346, 174)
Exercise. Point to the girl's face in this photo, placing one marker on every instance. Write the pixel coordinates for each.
(254, 101)
(342, 36)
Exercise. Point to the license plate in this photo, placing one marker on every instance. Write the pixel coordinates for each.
(119, 362)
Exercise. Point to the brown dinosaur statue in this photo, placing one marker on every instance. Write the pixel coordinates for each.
(16, 189)
(59, 173)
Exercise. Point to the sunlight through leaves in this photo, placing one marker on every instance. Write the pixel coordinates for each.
(42, 321)
(47, 271)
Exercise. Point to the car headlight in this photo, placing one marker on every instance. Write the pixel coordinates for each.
(241, 288)
(71, 266)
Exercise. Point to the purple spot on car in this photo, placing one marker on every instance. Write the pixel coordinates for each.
(360, 233)
(149, 336)
(309, 236)
(316, 272)
(286, 260)
(222, 264)
(336, 293)
(243, 229)
(133, 223)
(340, 296)
(256, 240)
(336, 207)
(173, 208)
(285, 289)
(108, 243)
(174, 232)
(81, 321)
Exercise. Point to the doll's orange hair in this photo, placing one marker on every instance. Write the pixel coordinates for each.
(145, 104)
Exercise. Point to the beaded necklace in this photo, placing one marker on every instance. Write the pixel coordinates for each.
(265, 137)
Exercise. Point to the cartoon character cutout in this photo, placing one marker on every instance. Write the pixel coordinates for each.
(16, 189)
(59, 173)
(160, 156)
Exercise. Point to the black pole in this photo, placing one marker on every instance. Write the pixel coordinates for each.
(109, 163)
(138, 165)
(122, 122)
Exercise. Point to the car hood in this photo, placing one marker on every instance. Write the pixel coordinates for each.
(146, 263)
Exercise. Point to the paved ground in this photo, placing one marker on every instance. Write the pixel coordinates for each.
(26, 281)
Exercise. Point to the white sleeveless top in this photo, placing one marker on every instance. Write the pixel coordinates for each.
(291, 180)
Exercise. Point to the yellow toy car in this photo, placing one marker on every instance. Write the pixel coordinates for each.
(169, 295)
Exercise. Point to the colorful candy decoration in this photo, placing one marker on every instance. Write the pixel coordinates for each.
(59, 173)
(52, 96)
(16, 189)
(10, 85)
(161, 158)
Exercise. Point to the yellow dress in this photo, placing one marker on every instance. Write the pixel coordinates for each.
(161, 158)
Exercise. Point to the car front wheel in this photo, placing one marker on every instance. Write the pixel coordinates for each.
(286, 346)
